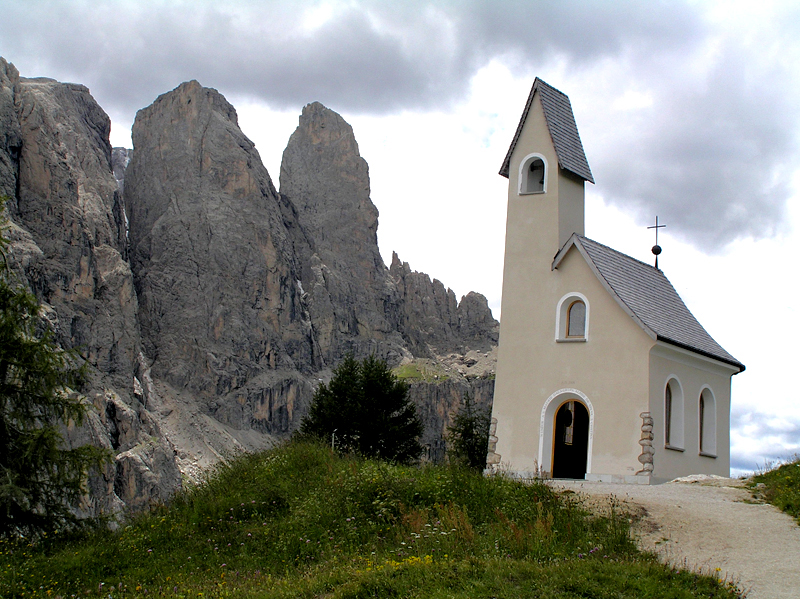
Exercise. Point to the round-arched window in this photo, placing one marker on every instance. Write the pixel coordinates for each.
(673, 415)
(707, 420)
(576, 319)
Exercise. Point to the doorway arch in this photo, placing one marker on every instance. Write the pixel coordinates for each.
(570, 441)
(548, 434)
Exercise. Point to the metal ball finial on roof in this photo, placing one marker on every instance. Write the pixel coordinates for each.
(656, 249)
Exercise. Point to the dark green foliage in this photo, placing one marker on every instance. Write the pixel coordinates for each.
(468, 436)
(39, 479)
(365, 409)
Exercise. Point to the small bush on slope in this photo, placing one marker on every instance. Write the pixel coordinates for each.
(365, 408)
(468, 436)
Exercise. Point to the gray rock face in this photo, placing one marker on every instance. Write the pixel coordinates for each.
(433, 322)
(438, 403)
(351, 299)
(477, 328)
(10, 134)
(65, 199)
(66, 248)
(213, 260)
(208, 304)
(355, 303)
(120, 157)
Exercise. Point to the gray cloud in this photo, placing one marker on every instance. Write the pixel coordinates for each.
(716, 158)
(376, 57)
(712, 159)
(767, 439)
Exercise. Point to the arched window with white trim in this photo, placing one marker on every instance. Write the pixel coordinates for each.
(707, 421)
(572, 318)
(533, 174)
(673, 415)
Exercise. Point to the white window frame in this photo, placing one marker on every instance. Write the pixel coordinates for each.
(523, 174)
(561, 317)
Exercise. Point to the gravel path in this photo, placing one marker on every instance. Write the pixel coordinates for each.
(713, 525)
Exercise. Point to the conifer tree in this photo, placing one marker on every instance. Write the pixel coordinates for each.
(39, 478)
(468, 435)
(366, 409)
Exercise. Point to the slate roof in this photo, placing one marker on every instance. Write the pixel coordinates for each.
(648, 297)
(563, 131)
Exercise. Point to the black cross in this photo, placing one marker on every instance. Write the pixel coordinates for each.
(656, 249)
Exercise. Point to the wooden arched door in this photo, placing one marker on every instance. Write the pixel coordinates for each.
(570, 441)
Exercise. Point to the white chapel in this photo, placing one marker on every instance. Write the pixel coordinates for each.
(603, 373)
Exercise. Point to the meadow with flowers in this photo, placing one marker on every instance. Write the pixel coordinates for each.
(301, 521)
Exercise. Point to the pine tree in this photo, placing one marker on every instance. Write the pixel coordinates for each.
(39, 478)
(469, 435)
(365, 409)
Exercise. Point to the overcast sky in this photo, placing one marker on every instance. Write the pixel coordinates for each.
(688, 111)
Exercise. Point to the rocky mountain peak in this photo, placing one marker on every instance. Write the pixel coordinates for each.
(10, 134)
(190, 99)
(432, 320)
(208, 304)
(328, 181)
(212, 260)
(68, 247)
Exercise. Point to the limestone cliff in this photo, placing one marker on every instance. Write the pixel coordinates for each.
(356, 304)
(431, 320)
(67, 247)
(208, 304)
(351, 299)
(213, 261)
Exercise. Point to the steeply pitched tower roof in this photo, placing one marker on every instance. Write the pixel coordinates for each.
(563, 131)
(648, 297)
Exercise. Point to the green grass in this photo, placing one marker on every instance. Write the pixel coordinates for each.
(419, 372)
(781, 487)
(300, 521)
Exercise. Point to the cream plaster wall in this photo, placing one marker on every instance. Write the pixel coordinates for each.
(694, 373)
(610, 368)
(570, 206)
(531, 236)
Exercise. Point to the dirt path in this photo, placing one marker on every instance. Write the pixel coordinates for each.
(710, 524)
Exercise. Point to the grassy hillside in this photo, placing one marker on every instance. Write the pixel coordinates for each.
(781, 487)
(301, 521)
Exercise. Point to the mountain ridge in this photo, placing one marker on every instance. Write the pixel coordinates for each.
(208, 303)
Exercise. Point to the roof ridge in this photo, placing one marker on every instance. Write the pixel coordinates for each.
(544, 83)
(656, 304)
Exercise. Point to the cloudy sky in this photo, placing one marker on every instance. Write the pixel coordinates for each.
(689, 111)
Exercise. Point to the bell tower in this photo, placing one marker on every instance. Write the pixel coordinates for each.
(546, 169)
(546, 166)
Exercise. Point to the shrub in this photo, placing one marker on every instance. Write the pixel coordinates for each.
(365, 409)
(468, 436)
